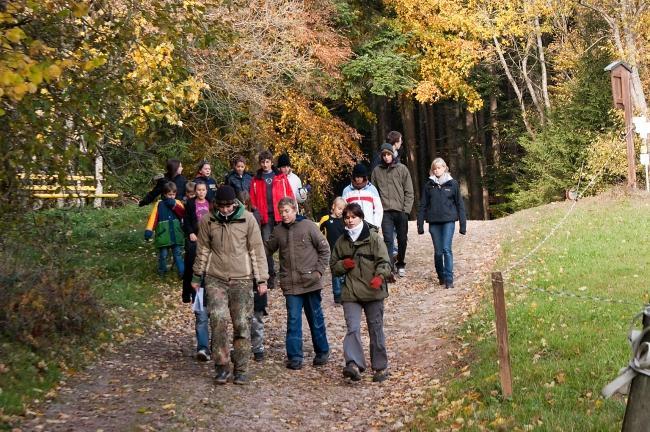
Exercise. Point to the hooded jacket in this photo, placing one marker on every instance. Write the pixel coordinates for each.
(371, 258)
(368, 198)
(394, 185)
(441, 203)
(280, 188)
(165, 219)
(304, 255)
(230, 247)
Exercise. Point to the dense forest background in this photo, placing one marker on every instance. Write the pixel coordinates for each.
(511, 93)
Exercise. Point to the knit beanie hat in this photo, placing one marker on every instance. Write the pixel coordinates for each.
(386, 148)
(225, 195)
(359, 170)
(283, 160)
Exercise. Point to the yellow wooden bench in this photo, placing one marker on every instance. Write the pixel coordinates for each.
(77, 187)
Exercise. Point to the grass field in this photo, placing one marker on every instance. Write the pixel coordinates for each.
(563, 349)
(106, 247)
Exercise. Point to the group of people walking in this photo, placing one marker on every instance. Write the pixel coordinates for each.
(231, 232)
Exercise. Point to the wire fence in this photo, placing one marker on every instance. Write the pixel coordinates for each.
(558, 292)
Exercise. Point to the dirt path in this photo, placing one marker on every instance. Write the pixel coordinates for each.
(153, 383)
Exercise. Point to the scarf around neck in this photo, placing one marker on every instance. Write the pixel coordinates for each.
(355, 232)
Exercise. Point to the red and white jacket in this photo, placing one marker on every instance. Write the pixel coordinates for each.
(280, 189)
(369, 200)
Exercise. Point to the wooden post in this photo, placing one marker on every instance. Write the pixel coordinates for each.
(637, 412)
(505, 374)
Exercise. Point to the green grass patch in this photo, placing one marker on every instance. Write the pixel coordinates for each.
(102, 251)
(563, 349)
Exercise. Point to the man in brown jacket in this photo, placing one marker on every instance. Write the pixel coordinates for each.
(230, 253)
(304, 255)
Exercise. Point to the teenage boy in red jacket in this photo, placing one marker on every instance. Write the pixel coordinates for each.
(268, 187)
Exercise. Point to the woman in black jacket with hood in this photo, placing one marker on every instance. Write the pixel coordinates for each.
(441, 205)
(173, 174)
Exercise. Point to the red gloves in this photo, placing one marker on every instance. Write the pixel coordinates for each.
(349, 264)
(375, 283)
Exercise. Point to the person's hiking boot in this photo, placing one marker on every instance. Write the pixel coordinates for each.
(401, 272)
(441, 281)
(258, 356)
(240, 379)
(449, 284)
(222, 374)
(294, 364)
(351, 370)
(202, 355)
(337, 300)
(380, 375)
(321, 358)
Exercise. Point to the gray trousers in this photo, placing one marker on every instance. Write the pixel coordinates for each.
(257, 332)
(352, 347)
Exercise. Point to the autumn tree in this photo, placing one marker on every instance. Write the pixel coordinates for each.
(74, 76)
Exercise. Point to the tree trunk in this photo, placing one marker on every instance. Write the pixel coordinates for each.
(407, 112)
(380, 129)
(474, 184)
(423, 158)
(451, 137)
(529, 82)
(494, 130)
(482, 163)
(515, 86)
(542, 64)
(432, 145)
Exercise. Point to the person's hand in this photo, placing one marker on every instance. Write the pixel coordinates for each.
(349, 264)
(320, 275)
(375, 283)
(193, 237)
(262, 288)
(195, 286)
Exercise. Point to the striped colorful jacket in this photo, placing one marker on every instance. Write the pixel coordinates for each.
(165, 219)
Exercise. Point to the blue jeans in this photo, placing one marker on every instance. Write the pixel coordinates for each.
(202, 327)
(337, 286)
(178, 259)
(314, 313)
(441, 234)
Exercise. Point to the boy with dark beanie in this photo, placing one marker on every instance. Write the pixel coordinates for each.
(231, 254)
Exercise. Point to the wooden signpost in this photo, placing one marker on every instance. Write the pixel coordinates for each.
(621, 74)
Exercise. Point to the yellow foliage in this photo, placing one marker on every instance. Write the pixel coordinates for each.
(319, 144)
(447, 36)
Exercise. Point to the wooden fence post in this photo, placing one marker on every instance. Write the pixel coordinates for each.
(505, 374)
(637, 412)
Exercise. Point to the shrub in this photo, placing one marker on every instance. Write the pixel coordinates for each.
(46, 302)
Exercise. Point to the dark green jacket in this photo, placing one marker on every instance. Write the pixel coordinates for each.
(371, 258)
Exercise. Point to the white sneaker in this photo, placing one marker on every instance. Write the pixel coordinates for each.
(401, 272)
(203, 355)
